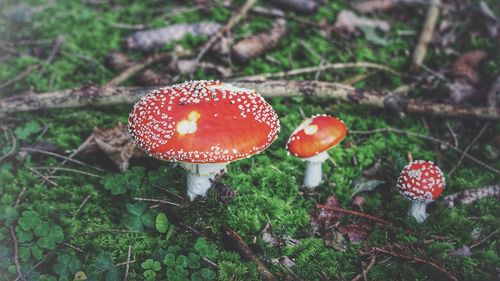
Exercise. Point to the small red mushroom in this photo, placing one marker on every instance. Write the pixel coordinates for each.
(421, 182)
(311, 141)
(204, 125)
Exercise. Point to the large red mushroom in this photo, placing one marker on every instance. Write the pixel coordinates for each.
(204, 125)
(311, 141)
(421, 182)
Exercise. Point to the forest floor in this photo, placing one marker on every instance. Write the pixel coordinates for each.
(82, 221)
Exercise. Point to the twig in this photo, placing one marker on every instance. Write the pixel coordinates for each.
(453, 134)
(211, 262)
(110, 231)
(321, 67)
(43, 176)
(55, 50)
(60, 156)
(363, 273)
(8, 132)
(73, 247)
(355, 213)
(236, 18)
(136, 68)
(426, 35)
(70, 170)
(81, 205)
(127, 268)
(481, 132)
(394, 130)
(92, 96)
(124, 263)
(16, 254)
(485, 238)
(20, 76)
(156, 201)
(20, 195)
(171, 192)
(244, 250)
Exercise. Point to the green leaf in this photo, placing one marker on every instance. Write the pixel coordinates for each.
(149, 274)
(200, 244)
(207, 274)
(156, 266)
(161, 223)
(103, 261)
(42, 229)
(169, 259)
(9, 215)
(23, 236)
(56, 233)
(24, 254)
(113, 274)
(61, 269)
(181, 261)
(136, 209)
(147, 264)
(28, 220)
(74, 265)
(193, 261)
(64, 259)
(22, 133)
(149, 218)
(46, 243)
(196, 276)
(80, 276)
(170, 232)
(37, 252)
(133, 223)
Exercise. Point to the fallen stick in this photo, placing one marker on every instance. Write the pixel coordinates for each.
(16, 254)
(426, 35)
(93, 96)
(471, 195)
(244, 250)
(354, 213)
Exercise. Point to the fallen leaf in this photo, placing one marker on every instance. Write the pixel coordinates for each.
(284, 261)
(358, 201)
(335, 239)
(355, 232)
(115, 143)
(466, 66)
(362, 184)
(325, 215)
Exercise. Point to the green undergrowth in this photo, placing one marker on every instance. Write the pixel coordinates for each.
(82, 225)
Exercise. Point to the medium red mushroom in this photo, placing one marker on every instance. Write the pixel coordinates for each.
(311, 141)
(421, 182)
(204, 125)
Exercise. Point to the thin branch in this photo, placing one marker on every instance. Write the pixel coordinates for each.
(481, 132)
(394, 130)
(8, 132)
(16, 254)
(427, 32)
(25, 73)
(81, 205)
(44, 177)
(127, 268)
(235, 19)
(485, 238)
(312, 69)
(355, 213)
(363, 273)
(156, 201)
(60, 156)
(69, 170)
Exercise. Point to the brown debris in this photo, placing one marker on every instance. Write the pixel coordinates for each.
(494, 95)
(119, 62)
(355, 232)
(466, 66)
(471, 195)
(349, 22)
(150, 39)
(299, 6)
(255, 45)
(114, 142)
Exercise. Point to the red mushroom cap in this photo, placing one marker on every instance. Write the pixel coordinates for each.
(203, 122)
(315, 135)
(421, 181)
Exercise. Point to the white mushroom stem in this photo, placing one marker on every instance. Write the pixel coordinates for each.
(313, 173)
(198, 177)
(417, 210)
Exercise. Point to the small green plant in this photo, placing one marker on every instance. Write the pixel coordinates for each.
(104, 266)
(205, 249)
(138, 215)
(22, 133)
(163, 226)
(8, 215)
(66, 265)
(152, 267)
(120, 183)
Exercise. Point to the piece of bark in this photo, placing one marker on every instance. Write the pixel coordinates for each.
(93, 96)
(188, 66)
(255, 45)
(150, 39)
(234, 240)
(115, 143)
(299, 6)
(471, 195)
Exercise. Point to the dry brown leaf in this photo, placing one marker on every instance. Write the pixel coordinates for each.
(150, 39)
(350, 22)
(255, 45)
(115, 143)
(355, 232)
(466, 66)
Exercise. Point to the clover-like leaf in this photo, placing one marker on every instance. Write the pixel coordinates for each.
(8, 215)
(207, 274)
(42, 229)
(133, 223)
(28, 220)
(162, 223)
(169, 259)
(193, 261)
(149, 218)
(22, 235)
(24, 253)
(136, 209)
(104, 261)
(181, 261)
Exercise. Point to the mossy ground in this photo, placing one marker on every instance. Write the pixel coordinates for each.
(268, 184)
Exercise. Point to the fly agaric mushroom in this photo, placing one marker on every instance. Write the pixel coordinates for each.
(204, 125)
(311, 141)
(421, 182)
